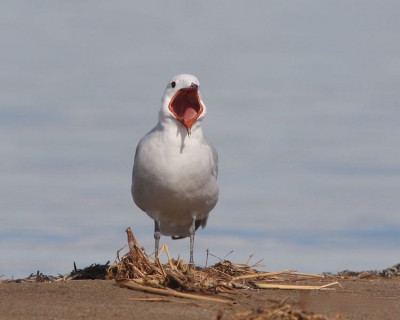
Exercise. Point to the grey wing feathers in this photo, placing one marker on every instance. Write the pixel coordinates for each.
(133, 189)
(214, 160)
(136, 155)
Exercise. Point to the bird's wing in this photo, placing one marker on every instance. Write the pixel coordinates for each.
(213, 158)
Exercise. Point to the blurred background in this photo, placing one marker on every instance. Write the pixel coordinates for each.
(303, 108)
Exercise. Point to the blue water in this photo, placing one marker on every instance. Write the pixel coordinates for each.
(302, 108)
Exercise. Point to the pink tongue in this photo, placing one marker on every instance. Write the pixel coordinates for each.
(189, 114)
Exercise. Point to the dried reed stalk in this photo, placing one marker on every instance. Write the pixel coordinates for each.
(270, 274)
(292, 287)
(169, 292)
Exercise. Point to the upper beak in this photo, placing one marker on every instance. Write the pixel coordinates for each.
(194, 86)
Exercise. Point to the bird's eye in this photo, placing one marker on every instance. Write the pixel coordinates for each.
(173, 84)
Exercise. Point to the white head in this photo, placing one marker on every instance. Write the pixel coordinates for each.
(182, 103)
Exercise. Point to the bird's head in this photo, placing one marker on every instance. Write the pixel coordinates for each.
(182, 101)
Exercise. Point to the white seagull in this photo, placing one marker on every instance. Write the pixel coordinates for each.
(174, 177)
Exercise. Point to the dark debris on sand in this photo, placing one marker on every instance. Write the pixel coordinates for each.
(94, 272)
(386, 273)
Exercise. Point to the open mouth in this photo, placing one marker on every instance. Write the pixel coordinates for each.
(186, 106)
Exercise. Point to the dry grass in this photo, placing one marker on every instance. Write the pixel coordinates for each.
(138, 271)
(223, 277)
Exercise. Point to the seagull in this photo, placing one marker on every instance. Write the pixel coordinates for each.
(174, 178)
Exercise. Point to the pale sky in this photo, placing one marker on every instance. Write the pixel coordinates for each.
(303, 108)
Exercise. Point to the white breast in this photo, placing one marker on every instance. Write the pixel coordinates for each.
(175, 178)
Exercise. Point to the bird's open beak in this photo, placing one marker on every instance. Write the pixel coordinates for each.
(186, 106)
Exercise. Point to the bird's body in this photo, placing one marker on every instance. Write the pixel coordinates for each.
(175, 171)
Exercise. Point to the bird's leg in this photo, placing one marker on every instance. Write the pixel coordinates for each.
(157, 235)
(192, 231)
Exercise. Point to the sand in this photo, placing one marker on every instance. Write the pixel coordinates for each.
(103, 299)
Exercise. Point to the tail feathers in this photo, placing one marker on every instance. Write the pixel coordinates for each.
(199, 223)
(177, 237)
